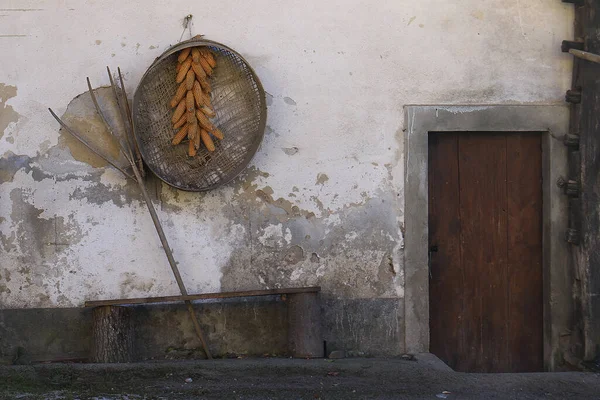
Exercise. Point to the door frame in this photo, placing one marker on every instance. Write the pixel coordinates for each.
(552, 121)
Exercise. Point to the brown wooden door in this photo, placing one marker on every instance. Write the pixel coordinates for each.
(485, 238)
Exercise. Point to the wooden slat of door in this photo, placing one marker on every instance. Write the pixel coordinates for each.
(446, 279)
(483, 212)
(524, 187)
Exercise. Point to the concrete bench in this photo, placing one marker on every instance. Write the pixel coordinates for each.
(113, 330)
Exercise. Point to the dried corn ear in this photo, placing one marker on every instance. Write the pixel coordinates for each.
(199, 99)
(203, 121)
(198, 70)
(183, 54)
(198, 95)
(210, 146)
(193, 131)
(217, 133)
(191, 149)
(207, 101)
(189, 79)
(180, 94)
(210, 113)
(191, 117)
(206, 53)
(182, 121)
(185, 67)
(206, 66)
(195, 55)
(197, 141)
(179, 136)
(204, 84)
(189, 101)
(179, 111)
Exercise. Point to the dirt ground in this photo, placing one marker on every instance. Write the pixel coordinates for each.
(425, 378)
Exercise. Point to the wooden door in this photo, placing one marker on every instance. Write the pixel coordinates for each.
(485, 238)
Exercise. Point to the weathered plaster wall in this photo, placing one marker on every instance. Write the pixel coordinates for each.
(321, 203)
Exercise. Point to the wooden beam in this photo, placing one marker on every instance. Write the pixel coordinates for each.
(584, 55)
(586, 256)
(572, 141)
(573, 96)
(572, 188)
(204, 296)
(572, 44)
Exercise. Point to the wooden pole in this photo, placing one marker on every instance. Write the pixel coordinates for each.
(138, 172)
(169, 253)
(203, 296)
(585, 55)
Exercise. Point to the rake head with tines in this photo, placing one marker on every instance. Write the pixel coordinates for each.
(128, 148)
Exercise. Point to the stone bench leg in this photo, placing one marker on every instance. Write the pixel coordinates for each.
(304, 325)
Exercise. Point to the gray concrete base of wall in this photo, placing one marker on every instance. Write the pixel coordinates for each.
(253, 327)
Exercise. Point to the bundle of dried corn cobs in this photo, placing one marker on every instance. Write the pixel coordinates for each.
(192, 100)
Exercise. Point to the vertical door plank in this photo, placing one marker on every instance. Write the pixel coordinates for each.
(525, 329)
(483, 204)
(446, 280)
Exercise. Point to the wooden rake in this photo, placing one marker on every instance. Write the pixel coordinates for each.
(130, 151)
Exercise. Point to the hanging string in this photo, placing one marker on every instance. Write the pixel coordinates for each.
(187, 24)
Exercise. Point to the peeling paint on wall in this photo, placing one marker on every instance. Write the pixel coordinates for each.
(10, 163)
(7, 114)
(82, 117)
(283, 234)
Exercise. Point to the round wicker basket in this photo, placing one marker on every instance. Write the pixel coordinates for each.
(241, 114)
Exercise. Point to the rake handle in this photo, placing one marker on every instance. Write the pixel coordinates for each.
(169, 253)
